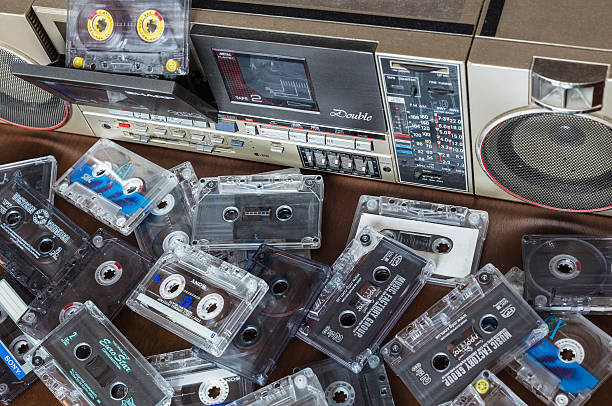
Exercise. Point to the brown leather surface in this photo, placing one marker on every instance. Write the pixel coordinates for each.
(508, 222)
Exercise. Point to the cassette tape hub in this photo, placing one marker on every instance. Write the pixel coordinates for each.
(242, 212)
(485, 390)
(198, 297)
(294, 283)
(87, 361)
(452, 236)
(116, 186)
(39, 173)
(482, 324)
(374, 281)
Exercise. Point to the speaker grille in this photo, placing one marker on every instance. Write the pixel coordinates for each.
(556, 160)
(24, 104)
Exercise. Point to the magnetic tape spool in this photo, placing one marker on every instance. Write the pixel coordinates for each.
(102, 28)
(150, 26)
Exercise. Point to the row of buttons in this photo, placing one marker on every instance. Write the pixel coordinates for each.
(164, 119)
(340, 162)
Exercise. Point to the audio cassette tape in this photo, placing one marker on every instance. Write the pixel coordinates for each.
(242, 212)
(568, 272)
(171, 220)
(294, 283)
(114, 185)
(39, 173)
(106, 273)
(146, 37)
(481, 324)
(344, 388)
(485, 390)
(37, 241)
(300, 389)
(198, 297)
(374, 281)
(452, 236)
(87, 361)
(569, 364)
(197, 382)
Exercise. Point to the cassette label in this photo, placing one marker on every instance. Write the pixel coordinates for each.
(38, 173)
(486, 389)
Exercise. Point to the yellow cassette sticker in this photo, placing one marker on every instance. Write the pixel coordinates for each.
(78, 62)
(100, 25)
(150, 26)
(172, 65)
(482, 386)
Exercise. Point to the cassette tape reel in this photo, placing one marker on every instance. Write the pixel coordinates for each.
(198, 297)
(37, 241)
(242, 212)
(39, 173)
(294, 283)
(375, 280)
(197, 382)
(74, 361)
(129, 36)
(568, 272)
(485, 390)
(451, 236)
(116, 186)
(171, 220)
(106, 273)
(482, 324)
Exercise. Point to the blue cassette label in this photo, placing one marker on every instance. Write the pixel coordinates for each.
(11, 362)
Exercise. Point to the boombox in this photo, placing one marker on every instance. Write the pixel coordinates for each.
(506, 99)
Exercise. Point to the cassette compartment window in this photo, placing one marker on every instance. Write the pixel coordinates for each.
(267, 80)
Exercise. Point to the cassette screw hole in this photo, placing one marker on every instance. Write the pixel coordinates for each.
(119, 391)
(280, 287)
(249, 335)
(82, 351)
(46, 245)
(214, 392)
(3, 388)
(277, 385)
(484, 278)
(382, 274)
(340, 397)
(440, 362)
(567, 355)
(365, 239)
(347, 319)
(396, 348)
(489, 323)
(92, 66)
(37, 361)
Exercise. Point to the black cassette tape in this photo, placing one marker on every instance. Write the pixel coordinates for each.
(87, 361)
(568, 272)
(106, 272)
(129, 36)
(197, 382)
(344, 388)
(39, 173)
(242, 212)
(375, 280)
(486, 389)
(171, 220)
(294, 283)
(37, 241)
(480, 325)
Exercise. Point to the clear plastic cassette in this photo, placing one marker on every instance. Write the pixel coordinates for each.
(482, 324)
(37, 241)
(115, 185)
(198, 297)
(39, 173)
(374, 281)
(242, 212)
(129, 36)
(197, 382)
(452, 236)
(566, 367)
(486, 389)
(300, 389)
(171, 220)
(295, 283)
(344, 388)
(87, 361)
(106, 273)
(568, 272)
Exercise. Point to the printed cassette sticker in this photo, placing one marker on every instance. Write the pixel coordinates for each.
(481, 324)
(485, 390)
(38, 173)
(375, 280)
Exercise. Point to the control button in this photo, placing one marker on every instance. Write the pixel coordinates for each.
(370, 167)
(135, 137)
(156, 117)
(309, 159)
(200, 124)
(144, 138)
(180, 121)
(216, 140)
(360, 165)
(227, 126)
(140, 128)
(160, 131)
(274, 133)
(121, 113)
(316, 139)
(204, 148)
(237, 143)
(277, 148)
(334, 160)
(297, 136)
(142, 116)
(250, 129)
(340, 142)
(346, 162)
(177, 133)
(320, 159)
(124, 125)
(197, 137)
(363, 145)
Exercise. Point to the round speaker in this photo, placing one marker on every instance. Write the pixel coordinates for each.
(555, 160)
(25, 105)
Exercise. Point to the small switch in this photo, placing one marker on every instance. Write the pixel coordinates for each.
(200, 124)
(197, 137)
(227, 126)
(124, 125)
(309, 158)
(297, 136)
(316, 139)
(142, 116)
(346, 162)
(237, 143)
(160, 131)
(250, 129)
(176, 133)
(139, 128)
(320, 159)
(333, 160)
(363, 145)
(274, 133)
(277, 148)
(216, 140)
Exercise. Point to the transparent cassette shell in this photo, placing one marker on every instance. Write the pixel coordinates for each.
(171, 220)
(486, 389)
(242, 212)
(482, 324)
(114, 185)
(106, 272)
(300, 389)
(37, 241)
(568, 273)
(451, 236)
(129, 36)
(39, 173)
(295, 283)
(76, 362)
(198, 297)
(374, 281)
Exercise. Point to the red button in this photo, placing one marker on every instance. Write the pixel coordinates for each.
(124, 125)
